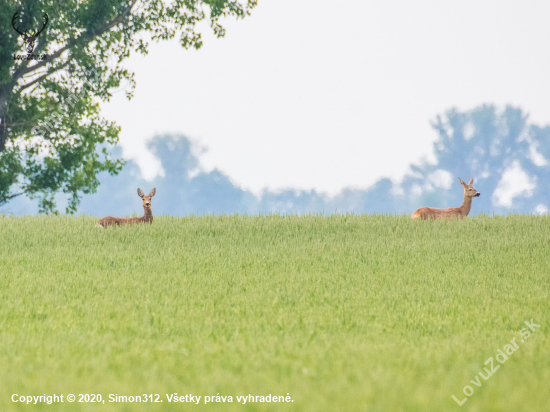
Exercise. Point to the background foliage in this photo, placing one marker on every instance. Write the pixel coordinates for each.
(492, 145)
(52, 136)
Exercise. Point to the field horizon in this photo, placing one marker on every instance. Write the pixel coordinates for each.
(330, 312)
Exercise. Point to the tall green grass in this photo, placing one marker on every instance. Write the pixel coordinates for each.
(343, 313)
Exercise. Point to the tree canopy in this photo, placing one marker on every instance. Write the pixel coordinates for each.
(52, 136)
(487, 143)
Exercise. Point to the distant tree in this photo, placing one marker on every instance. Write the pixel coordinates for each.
(539, 138)
(379, 198)
(52, 137)
(189, 189)
(482, 143)
(292, 201)
(184, 189)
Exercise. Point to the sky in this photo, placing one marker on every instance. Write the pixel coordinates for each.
(312, 94)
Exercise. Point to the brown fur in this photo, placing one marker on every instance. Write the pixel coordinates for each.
(451, 212)
(119, 221)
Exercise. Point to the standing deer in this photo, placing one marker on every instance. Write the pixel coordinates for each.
(119, 221)
(451, 212)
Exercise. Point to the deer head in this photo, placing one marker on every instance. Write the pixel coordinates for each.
(29, 39)
(469, 190)
(147, 198)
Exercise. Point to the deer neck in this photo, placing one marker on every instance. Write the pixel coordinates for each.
(466, 206)
(148, 216)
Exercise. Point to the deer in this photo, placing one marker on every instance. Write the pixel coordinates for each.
(451, 212)
(120, 221)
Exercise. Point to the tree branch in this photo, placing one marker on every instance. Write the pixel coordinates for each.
(88, 38)
(43, 62)
(51, 71)
(5, 199)
(117, 20)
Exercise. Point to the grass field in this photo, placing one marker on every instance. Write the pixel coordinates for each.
(342, 313)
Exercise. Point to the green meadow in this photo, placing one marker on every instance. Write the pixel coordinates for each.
(328, 313)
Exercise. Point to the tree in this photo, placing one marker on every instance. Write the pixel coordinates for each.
(484, 143)
(52, 136)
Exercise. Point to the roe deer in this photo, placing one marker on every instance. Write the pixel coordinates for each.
(451, 212)
(119, 221)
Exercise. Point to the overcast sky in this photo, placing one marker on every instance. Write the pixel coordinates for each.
(327, 95)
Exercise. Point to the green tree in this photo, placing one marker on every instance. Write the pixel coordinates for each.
(52, 136)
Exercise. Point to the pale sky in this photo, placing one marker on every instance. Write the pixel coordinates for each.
(315, 94)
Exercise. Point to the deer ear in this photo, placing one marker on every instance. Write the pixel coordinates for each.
(153, 192)
(471, 182)
(140, 193)
(462, 182)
